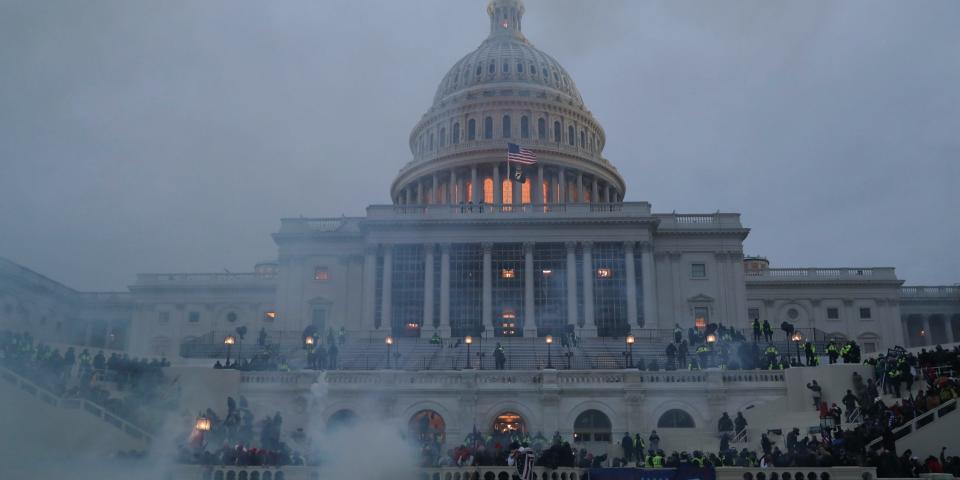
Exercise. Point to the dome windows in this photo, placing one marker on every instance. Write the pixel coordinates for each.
(443, 137)
(506, 126)
(519, 67)
(524, 127)
(456, 133)
(479, 70)
(472, 130)
(488, 128)
(506, 67)
(492, 68)
(571, 136)
(541, 129)
(556, 132)
(583, 139)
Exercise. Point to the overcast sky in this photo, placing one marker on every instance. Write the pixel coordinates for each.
(144, 136)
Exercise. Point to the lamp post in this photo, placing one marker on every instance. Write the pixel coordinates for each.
(389, 342)
(469, 341)
(203, 424)
(797, 338)
(630, 341)
(711, 340)
(549, 341)
(229, 340)
(308, 344)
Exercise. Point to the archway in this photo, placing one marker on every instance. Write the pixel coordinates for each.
(592, 426)
(676, 418)
(428, 426)
(341, 419)
(509, 422)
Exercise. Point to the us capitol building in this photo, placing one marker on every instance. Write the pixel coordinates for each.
(463, 250)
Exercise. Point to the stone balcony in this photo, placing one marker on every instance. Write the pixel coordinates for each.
(931, 293)
(209, 280)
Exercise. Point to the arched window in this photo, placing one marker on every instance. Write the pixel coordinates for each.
(571, 136)
(506, 126)
(509, 422)
(430, 143)
(472, 129)
(488, 127)
(583, 139)
(479, 70)
(525, 192)
(556, 132)
(340, 419)
(443, 137)
(456, 133)
(541, 129)
(506, 67)
(533, 70)
(524, 127)
(506, 191)
(592, 426)
(546, 76)
(488, 190)
(519, 68)
(427, 426)
(675, 418)
(492, 68)
(593, 142)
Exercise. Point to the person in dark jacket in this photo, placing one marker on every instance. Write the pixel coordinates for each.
(627, 444)
(725, 424)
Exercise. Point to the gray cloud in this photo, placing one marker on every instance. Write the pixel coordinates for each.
(172, 136)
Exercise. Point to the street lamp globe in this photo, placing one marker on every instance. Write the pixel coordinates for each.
(229, 340)
(549, 339)
(631, 339)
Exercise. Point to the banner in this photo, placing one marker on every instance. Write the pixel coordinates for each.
(680, 473)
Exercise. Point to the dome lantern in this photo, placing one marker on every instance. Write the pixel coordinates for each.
(506, 17)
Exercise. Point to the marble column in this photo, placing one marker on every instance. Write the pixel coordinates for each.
(595, 191)
(562, 183)
(435, 190)
(452, 188)
(589, 323)
(369, 287)
(580, 187)
(428, 287)
(473, 185)
(538, 187)
(420, 198)
(648, 282)
(386, 318)
(529, 314)
(948, 326)
(403, 197)
(928, 338)
(572, 283)
(631, 284)
(517, 192)
(487, 311)
(497, 184)
(445, 290)
(609, 192)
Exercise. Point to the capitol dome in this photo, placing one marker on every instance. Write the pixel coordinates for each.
(507, 91)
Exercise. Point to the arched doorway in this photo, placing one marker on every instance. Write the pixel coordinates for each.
(341, 419)
(509, 423)
(676, 418)
(592, 426)
(428, 426)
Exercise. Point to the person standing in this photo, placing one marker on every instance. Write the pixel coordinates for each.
(767, 331)
(654, 440)
(671, 356)
(682, 353)
(756, 330)
(499, 357)
(817, 393)
(626, 443)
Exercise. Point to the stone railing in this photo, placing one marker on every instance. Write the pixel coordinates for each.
(950, 292)
(149, 279)
(697, 221)
(87, 406)
(482, 145)
(561, 210)
(820, 274)
(198, 472)
(539, 378)
(918, 423)
(278, 378)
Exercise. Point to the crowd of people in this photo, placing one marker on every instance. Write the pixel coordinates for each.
(127, 387)
(230, 440)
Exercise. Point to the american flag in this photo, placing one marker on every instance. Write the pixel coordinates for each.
(516, 153)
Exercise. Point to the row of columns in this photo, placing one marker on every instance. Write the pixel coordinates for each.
(486, 317)
(417, 191)
(927, 338)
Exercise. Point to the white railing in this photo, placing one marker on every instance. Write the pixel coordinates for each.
(881, 273)
(161, 278)
(930, 292)
(441, 211)
(92, 408)
(919, 422)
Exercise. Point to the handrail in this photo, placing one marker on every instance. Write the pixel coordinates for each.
(918, 422)
(84, 404)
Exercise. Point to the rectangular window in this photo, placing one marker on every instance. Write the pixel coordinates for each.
(321, 274)
(269, 316)
(194, 317)
(164, 317)
(701, 316)
(466, 289)
(610, 290)
(319, 318)
(865, 313)
(508, 295)
(407, 288)
(550, 288)
(753, 314)
(833, 313)
(698, 270)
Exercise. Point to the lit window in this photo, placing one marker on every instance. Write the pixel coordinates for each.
(194, 317)
(507, 273)
(321, 274)
(269, 316)
(865, 313)
(506, 191)
(547, 273)
(164, 317)
(509, 315)
(698, 270)
(833, 313)
(604, 273)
